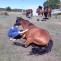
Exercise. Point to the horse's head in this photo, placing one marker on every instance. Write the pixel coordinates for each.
(24, 23)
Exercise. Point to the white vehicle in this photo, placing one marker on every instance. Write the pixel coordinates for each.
(56, 11)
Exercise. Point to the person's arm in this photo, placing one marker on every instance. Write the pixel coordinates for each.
(23, 31)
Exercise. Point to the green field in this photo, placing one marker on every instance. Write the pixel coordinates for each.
(10, 52)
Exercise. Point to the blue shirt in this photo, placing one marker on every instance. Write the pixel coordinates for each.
(13, 32)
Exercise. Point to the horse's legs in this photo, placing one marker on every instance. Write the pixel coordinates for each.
(49, 14)
(28, 42)
(24, 36)
(45, 14)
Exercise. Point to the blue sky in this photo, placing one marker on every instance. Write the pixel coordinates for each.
(22, 4)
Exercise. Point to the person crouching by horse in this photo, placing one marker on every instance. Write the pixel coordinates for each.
(15, 33)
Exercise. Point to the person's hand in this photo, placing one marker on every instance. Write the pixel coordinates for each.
(19, 32)
(22, 31)
(12, 27)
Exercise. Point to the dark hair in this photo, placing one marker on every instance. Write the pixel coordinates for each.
(16, 25)
(17, 21)
(40, 7)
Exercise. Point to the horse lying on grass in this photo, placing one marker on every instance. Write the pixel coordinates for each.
(34, 35)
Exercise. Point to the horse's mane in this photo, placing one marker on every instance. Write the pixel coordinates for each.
(24, 21)
(28, 22)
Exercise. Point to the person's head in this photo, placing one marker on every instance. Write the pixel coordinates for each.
(18, 21)
(15, 25)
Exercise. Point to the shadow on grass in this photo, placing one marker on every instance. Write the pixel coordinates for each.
(18, 44)
(37, 50)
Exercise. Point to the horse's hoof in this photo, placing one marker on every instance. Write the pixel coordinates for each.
(25, 46)
(37, 19)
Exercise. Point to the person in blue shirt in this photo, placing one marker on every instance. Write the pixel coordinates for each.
(14, 32)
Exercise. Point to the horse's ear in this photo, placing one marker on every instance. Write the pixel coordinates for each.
(20, 18)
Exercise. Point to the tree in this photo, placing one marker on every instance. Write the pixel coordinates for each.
(8, 8)
(52, 3)
(46, 3)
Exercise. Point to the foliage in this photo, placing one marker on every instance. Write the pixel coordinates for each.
(8, 8)
(54, 4)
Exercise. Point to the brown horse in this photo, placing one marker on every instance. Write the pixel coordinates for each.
(29, 13)
(49, 11)
(34, 34)
(39, 11)
(46, 11)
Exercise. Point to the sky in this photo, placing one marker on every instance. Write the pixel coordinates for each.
(21, 4)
